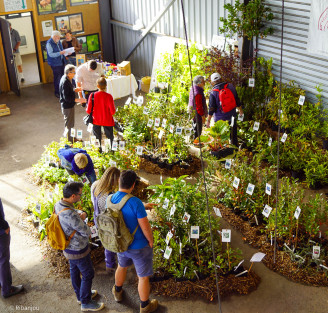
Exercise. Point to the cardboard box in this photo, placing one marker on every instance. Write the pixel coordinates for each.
(4, 110)
(80, 59)
(125, 68)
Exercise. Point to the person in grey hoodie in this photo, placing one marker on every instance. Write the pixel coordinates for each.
(78, 250)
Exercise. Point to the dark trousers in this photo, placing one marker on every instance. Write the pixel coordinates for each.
(82, 286)
(58, 72)
(110, 259)
(197, 125)
(108, 131)
(86, 93)
(5, 272)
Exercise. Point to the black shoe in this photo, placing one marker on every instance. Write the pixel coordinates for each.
(14, 290)
(22, 80)
(57, 95)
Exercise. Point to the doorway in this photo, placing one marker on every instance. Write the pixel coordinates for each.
(23, 23)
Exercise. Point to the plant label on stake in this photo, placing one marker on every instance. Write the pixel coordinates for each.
(301, 100)
(140, 101)
(241, 117)
(79, 134)
(266, 211)
(114, 146)
(270, 142)
(250, 189)
(297, 212)
(164, 123)
(87, 144)
(38, 208)
(316, 252)
(161, 133)
(284, 137)
(236, 182)
(90, 127)
(168, 237)
(94, 231)
(228, 164)
(268, 189)
(217, 212)
(251, 82)
(178, 130)
(93, 140)
(180, 246)
(173, 208)
(157, 122)
(108, 144)
(167, 252)
(166, 203)
(226, 235)
(186, 217)
(257, 257)
(194, 58)
(180, 56)
(194, 231)
(256, 126)
(121, 145)
(150, 123)
(65, 132)
(112, 163)
(188, 131)
(97, 143)
(173, 99)
(56, 189)
(128, 101)
(139, 150)
(232, 121)
(85, 180)
(171, 129)
(145, 110)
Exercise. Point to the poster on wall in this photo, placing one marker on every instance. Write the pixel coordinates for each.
(71, 22)
(318, 28)
(79, 2)
(14, 5)
(44, 50)
(47, 28)
(50, 6)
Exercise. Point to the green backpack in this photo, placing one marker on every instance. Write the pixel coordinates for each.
(112, 231)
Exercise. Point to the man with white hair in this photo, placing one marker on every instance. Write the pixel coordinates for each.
(55, 58)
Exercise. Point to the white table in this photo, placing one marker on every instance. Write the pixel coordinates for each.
(121, 86)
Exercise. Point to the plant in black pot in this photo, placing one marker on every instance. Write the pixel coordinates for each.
(221, 134)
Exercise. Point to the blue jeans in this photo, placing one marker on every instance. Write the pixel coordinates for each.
(58, 72)
(82, 287)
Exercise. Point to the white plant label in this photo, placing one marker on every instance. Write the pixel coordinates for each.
(188, 131)
(168, 237)
(85, 180)
(90, 127)
(236, 267)
(194, 58)
(167, 253)
(228, 164)
(94, 231)
(112, 163)
(171, 129)
(97, 143)
(232, 121)
(173, 99)
(268, 189)
(145, 110)
(65, 132)
(121, 145)
(180, 246)
(56, 189)
(284, 137)
(79, 134)
(301, 100)
(140, 100)
(236, 182)
(38, 208)
(128, 101)
(139, 150)
(166, 203)
(93, 140)
(150, 123)
(217, 212)
(270, 142)
(164, 123)
(226, 235)
(256, 126)
(241, 117)
(257, 257)
(250, 189)
(186, 217)
(157, 122)
(114, 146)
(251, 82)
(316, 252)
(180, 56)
(297, 212)
(160, 135)
(108, 144)
(73, 133)
(178, 130)
(173, 208)
(194, 232)
(266, 211)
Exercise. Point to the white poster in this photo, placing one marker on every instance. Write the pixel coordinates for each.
(318, 28)
(47, 28)
(14, 5)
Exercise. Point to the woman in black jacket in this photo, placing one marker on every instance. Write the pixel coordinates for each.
(67, 89)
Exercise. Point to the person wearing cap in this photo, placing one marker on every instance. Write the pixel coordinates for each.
(215, 107)
(197, 104)
(77, 161)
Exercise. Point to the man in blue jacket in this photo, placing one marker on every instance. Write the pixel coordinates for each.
(7, 290)
(55, 58)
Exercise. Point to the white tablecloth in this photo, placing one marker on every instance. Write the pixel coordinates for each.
(121, 86)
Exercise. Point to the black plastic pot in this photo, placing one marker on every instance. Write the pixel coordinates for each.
(222, 153)
(157, 90)
(161, 164)
(244, 217)
(153, 159)
(296, 174)
(169, 166)
(184, 165)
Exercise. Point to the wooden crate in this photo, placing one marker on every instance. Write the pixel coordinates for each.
(4, 110)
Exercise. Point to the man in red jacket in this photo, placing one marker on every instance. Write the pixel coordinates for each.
(103, 111)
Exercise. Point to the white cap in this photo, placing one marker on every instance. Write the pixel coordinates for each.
(215, 77)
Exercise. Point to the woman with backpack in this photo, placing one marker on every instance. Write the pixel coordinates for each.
(100, 190)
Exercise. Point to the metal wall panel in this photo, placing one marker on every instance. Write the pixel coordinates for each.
(306, 69)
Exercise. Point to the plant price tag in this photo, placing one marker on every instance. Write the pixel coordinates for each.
(168, 237)
(217, 212)
(93, 140)
(180, 246)
(164, 123)
(251, 82)
(256, 126)
(284, 137)
(108, 144)
(150, 123)
(297, 212)
(56, 189)
(145, 110)
(171, 129)
(90, 127)
(194, 58)
(250, 189)
(121, 145)
(188, 131)
(232, 121)
(186, 217)
(128, 101)
(161, 133)
(114, 146)
(178, 130)
(139, 150)
(173, 208)
(166, 203)
(257, 257)
(97, 143)
(180, 56)
(167, 252)
(38, 208)
(228, 164)
(140, 100)
(226, 235)
(157, 122)
(85, 180)
(266, 211)
(236, 182)
(268, 189)
(241, 117)
(194, 231)
(94, 231)
(79, 134)
(316, 252)
(173, 99)
(270, 142)
(301, 100)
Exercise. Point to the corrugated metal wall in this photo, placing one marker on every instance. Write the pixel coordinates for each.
(202, 17)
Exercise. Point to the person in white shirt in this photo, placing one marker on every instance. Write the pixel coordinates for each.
(87, 75)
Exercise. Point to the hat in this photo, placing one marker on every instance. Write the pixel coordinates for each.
(215, 77)
(81, 160)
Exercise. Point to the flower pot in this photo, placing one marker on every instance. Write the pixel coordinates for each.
(161, 163)
(169, 166)
(153, 159)
(157, 90)
(219, 154)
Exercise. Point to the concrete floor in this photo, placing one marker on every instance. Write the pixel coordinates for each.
(35, 121)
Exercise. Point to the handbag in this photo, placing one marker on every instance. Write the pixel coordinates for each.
(88, 119)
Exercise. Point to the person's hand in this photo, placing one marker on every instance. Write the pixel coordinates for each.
(78, 89)
(7, 230)
(151, 243)
(150, 206)
(62, 52)
(81, 100)
(83, 216)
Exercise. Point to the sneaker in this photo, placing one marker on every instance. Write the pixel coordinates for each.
(93, 295)
(151, 307)
(118, 296)
(14, 290)
(92, 306)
